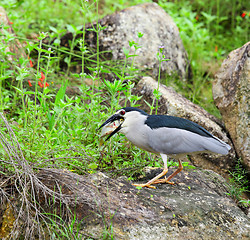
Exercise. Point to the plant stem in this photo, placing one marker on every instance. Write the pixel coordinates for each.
(35, 107)
(37, 73)
(233, 16)
(83, 39)
(71, 51)
(158, 85)
(218, 16)
(1, 96)
(97, 42)
(23, 103)
(45, 80)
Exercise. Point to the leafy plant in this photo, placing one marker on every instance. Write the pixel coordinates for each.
(239, 183)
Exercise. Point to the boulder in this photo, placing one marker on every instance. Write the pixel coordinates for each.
(231, 90)
(158, 29)
(196, 207)
(174, 104)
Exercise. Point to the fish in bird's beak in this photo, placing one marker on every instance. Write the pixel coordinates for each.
(111, 126)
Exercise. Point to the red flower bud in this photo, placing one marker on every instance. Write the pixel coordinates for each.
(42, 77)
(31, 63)
(243, 14)
(40, 84)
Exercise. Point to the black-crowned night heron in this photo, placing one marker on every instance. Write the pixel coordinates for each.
(164, 135)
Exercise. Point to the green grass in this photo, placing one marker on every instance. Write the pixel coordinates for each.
(57, 130)
(239, 185)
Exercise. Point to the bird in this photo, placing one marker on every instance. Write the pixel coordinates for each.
(164, 135)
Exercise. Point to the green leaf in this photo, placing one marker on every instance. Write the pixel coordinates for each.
(60, 94)
(139, 35)
(53, 29)
(19, 90)
(57, 42)
(208, 17)
(126, 52)
(71, 28)
(151, 107)
(93, 166)
(51, 119)
(29, 92)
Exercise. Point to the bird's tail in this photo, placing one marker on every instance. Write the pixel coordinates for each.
(218, 146)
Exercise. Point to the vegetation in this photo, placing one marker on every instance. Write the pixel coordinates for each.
(239, 184)
(55, 130)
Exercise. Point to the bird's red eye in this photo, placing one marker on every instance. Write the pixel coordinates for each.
(122, 112)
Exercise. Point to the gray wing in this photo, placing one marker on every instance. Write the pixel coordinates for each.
(179, 141)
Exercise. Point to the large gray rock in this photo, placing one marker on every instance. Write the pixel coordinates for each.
(158, 29)
(231, 90)
(196, 207)
(174, 104)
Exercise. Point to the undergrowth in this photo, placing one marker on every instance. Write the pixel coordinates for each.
(239, 185)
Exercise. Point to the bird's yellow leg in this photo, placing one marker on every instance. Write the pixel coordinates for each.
(166, 180)
(154, 180)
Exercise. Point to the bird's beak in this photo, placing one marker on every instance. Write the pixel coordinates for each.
(108, 126)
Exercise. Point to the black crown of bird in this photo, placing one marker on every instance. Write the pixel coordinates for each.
(162, 134)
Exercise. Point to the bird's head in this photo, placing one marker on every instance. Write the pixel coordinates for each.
(121, 119)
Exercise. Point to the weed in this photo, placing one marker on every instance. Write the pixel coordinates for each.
(161, 58)
(239, 184)
(60, 229)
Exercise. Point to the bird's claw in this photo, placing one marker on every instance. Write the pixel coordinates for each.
(164, 180)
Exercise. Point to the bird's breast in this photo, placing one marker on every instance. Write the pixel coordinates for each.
(139, 137)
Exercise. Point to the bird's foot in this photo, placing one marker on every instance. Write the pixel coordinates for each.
(157, 181)
(144, 185)
(163, 180)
